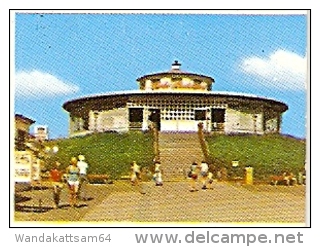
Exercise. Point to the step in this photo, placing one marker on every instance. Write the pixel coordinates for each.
(177, 152)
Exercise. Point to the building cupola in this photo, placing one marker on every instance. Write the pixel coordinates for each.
(176, 65)
(175, 80)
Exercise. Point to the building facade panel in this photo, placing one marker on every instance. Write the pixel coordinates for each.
(272, 125)
(245, 122)
(109, 120)
(22, 126)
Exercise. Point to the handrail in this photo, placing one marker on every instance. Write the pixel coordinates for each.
(155, 141)
(203, 143)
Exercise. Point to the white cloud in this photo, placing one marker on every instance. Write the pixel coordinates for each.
(39, 84)
(281, 70)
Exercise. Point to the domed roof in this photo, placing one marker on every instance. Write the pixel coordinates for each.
(175, 72)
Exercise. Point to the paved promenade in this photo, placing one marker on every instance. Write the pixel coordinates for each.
(172, 203)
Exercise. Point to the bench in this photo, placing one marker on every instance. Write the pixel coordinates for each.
(98, 178)
(285, 179)
(125, 177)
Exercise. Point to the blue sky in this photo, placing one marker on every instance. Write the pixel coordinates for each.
(59, 57)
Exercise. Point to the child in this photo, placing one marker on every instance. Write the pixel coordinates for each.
(193, 175)
(157, 176)
(56, 179)
(135, 173)
(210, 180)
(204, 173)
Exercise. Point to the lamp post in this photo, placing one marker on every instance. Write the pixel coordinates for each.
(235, 168)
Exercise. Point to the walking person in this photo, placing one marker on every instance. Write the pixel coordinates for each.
(135, 173)
(73, 173)
(57, 184)
(157, 176)
(83, 167)
(193, 176)
(210, 180)
(204, 168)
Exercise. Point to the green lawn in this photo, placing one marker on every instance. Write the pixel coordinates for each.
(269, 154)
(108, 153)
(112, 153)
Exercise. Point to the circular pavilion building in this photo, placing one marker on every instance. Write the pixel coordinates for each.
(175, 101)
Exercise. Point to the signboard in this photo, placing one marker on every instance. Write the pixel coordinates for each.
(35, 173)
(23, 167)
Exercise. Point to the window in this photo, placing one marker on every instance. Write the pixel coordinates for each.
(136, 115)
(200, 115)
(217, 115)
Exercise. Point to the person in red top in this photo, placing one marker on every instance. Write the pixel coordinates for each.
(56, 179)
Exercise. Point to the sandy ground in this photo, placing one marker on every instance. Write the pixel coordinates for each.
(171, 203)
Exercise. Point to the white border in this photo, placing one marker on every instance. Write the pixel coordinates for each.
(124, 236)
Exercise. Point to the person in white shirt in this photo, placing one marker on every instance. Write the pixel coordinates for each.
(83, 167)
(204, 168)
(135, 173)
(157, 174)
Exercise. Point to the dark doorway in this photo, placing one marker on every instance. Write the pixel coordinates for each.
(155, 117)
(217, 119)
(200, 115)
(135, 118)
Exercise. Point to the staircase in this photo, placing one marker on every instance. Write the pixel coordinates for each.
(177, 152)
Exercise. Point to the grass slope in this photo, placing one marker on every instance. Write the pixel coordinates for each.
(108, 153)
(269, 154)
(112, 153)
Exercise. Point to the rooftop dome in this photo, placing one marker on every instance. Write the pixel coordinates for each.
(175, 79)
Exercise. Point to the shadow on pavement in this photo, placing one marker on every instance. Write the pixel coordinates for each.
(32, 209)
(19, 198)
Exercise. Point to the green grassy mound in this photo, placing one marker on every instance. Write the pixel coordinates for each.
(107, 153)
(112, 153)
(268, 155)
